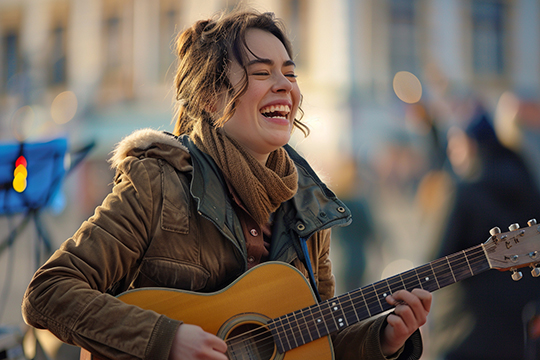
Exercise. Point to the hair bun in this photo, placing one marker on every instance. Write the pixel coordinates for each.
(203, 26)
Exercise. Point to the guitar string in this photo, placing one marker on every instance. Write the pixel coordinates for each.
(241, 352)
(301, 327)
(346, 311)
(471, 259)
(265, 339)
(349, 304)
(473, 262)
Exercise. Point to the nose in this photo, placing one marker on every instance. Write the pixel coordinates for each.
(282, 84)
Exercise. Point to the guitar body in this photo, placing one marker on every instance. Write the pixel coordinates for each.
(265, 292)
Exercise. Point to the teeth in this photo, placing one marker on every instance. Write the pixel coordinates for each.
(274, 108)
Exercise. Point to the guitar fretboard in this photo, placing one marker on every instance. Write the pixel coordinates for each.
(311, 323)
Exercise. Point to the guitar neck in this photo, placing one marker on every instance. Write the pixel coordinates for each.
(308, 324)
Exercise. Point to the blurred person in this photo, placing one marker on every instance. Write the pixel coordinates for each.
(355, 241)
(494, 188)
(197, 209)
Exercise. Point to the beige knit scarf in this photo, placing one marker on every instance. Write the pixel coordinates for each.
(261, 188)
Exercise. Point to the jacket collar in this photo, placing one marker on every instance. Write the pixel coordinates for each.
(314, 207)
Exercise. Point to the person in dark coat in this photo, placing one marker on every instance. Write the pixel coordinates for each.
(495, 189)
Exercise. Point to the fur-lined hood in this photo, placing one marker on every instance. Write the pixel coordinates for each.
(141, 139)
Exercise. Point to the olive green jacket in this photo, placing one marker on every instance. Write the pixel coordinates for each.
(168, 222)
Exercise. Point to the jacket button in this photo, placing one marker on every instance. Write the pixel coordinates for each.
(251, 259)
(254, 232)
(341, 209)
(301, 227)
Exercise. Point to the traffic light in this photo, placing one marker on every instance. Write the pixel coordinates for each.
(20, 174)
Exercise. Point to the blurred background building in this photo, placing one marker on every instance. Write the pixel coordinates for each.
(383, 81)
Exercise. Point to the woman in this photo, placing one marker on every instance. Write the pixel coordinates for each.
(196, 211)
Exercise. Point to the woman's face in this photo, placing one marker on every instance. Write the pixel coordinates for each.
(265, 113)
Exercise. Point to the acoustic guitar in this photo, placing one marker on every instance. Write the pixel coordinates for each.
(271, 312)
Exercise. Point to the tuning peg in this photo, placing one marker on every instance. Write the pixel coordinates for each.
(516, 275)
(535, 271)
(494, 231)
(513, 227)
(531, 222)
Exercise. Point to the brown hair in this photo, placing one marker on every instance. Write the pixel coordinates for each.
(204, 52)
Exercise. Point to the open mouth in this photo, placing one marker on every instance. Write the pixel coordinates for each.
(276, 111)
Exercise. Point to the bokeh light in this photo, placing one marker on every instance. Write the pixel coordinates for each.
(506, 124)
(396, 267)
(64, 107)
(407, 87)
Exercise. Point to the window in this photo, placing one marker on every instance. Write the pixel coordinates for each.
(117, 52)
(295, 17)
(403, 36)
(58, 56)
(11, 60)
(169, 19)
(488, 37)
(113, 44)
(57, 66)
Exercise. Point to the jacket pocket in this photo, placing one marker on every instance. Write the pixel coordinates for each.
(175, 211)
(174, 274)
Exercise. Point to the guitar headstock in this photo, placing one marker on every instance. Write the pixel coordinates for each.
(517, 248)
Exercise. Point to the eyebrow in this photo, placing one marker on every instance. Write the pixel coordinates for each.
(269, 62)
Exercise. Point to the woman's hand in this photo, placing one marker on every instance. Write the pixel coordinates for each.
(411, 310)
(193, 343)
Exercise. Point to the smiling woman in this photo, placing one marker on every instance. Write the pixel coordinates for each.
(265, 113)
(205, 209)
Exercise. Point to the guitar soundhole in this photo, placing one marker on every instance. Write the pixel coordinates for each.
(250, 339)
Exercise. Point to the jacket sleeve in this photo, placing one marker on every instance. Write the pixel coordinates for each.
(361, 340)
(67, 295)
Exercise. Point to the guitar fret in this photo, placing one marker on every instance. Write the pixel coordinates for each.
(289, 333)
(468, 263)
(426, 277)
(347, 304)
(443, 273)
(297, 329)
(337, 311)
(312, 325)
(478, 266)
(372, 300)
(434, 275)
(365, 302)
(418, 278)
(329, 317)
(450, 266)
(359, 304)
(305, 329)
(412, 280)
(395, 283)
(461, 266)
(382, 291)
(274, 326)
(305, 325)
(321, 322)
(356, 318)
